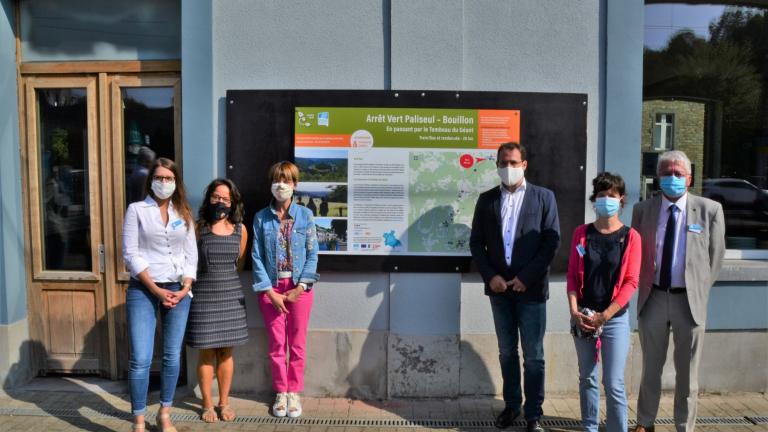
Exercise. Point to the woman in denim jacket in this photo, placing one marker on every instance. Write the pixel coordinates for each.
(284, 270)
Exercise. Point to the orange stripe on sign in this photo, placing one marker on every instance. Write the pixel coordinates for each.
(496, 127)
(330, 140)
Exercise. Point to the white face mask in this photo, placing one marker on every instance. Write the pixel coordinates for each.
(510, 176)
(282, 191)
(163, 190)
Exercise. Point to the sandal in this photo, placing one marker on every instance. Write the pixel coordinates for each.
(138, 427)
(164, 416)
(227, 413)
(209, 415)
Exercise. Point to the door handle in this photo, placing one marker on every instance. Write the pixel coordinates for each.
(102, 259)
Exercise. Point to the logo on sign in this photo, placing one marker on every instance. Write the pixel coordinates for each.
(323, 118)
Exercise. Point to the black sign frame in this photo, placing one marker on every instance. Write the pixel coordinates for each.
(553, 128)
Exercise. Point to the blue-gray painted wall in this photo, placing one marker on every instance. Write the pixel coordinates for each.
(13, 290)
(592, 47)
(399, 44)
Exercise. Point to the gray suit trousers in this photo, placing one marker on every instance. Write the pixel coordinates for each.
(664, 312)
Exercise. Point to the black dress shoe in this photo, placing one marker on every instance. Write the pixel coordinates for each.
(534, 426)
(505, 419)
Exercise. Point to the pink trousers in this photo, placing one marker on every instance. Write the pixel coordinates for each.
(287, 335)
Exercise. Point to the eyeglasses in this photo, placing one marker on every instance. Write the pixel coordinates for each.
(216, 198)
(164, 179)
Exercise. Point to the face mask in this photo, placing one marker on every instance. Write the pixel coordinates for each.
(163, 190)
(672, 186)
(607, 206)
(510, 176)
(218, 211)
(282, 191)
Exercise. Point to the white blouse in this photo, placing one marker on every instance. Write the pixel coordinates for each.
(168, 251)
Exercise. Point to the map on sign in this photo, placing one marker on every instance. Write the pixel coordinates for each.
(398, 181)
(443, 190)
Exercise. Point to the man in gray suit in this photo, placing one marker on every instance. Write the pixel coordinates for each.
(683, 246)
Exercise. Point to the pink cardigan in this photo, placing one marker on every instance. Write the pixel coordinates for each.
(629, 273)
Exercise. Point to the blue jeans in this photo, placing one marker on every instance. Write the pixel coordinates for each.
(142, 309)
(530, 320)
(614, 349)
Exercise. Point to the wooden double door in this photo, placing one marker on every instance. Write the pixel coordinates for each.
(87, 141)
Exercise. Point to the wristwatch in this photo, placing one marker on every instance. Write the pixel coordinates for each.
(306, 287)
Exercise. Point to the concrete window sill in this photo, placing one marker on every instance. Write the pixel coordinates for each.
(743, 271)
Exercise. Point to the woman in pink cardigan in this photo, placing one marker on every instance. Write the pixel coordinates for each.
(603, 271)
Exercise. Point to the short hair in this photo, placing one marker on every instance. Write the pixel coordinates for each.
(284, 171)
(606, 181)
(674, 156)
(509, 146)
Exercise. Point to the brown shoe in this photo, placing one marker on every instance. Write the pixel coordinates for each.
(641, 428)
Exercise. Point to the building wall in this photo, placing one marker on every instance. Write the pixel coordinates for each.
(432, 333)
(13, 299)
(380, 334)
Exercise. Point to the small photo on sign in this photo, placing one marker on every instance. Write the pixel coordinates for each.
(322, 165)
(323, 199)
(331, 234)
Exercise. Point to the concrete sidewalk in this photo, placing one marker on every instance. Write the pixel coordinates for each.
(66, 404)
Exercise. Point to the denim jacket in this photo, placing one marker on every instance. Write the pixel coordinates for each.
(266, 227)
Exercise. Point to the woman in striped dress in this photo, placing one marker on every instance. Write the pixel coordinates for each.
(217, 315)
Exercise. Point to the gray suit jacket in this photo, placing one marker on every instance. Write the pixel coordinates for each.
(703, 251)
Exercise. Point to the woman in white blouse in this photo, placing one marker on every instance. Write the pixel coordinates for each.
(160, 251)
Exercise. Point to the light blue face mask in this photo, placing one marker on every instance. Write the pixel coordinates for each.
(607, 206)
(672, 186)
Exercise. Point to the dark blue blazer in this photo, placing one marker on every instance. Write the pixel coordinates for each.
(536, 241)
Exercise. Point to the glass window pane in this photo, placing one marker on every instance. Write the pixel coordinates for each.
(148, 134)
(704, 66)
(65, 213)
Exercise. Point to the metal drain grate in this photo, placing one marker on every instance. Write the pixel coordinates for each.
(732, 421)
(353, 422)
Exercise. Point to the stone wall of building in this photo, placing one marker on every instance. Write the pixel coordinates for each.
(688, 130)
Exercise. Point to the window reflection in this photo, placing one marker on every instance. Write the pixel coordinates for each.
(705, 92)
(148, 134)
(63, 140)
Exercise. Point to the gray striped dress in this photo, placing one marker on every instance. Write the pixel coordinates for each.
(217, 314)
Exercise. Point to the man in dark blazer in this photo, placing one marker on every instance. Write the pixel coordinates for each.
(515, 233)
(683, 247)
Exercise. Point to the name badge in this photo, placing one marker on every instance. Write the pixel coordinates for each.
(580, 249)
(694, 228)
(175, 224)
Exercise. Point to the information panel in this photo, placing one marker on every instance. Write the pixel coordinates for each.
(393, 175)
(385, 181)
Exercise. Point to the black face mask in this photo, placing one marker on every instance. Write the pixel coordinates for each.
(218, 211)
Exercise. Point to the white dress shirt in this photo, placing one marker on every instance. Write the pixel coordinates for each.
(511, 203)
(169, 251)
(678, 255)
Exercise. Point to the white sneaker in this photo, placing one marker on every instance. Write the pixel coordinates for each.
(279, 409)
(294, 405)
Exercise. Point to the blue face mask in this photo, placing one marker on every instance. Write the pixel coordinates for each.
(672, 186)
(607, 206)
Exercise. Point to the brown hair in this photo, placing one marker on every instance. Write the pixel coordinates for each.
(606, 181)
(283, 171)
(235, 215)
(179, 197)
(509, 146)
